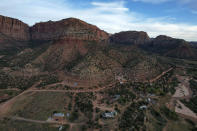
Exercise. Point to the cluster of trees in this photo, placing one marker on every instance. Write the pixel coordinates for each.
(193, 86)
(124, 91)
(48, 79)
(192, 72)
(132, 118)
(84, 104)
(192, 104)
(160, 121)
(7, 81)
(159, 87)
(168, 113)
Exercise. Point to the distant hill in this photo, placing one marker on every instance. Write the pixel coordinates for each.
(73, 46)
(171, 47)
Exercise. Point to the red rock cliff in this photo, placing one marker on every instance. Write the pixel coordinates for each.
(68, 28)
(14, 28)
(130, 37)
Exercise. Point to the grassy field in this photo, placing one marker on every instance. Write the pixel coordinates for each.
(180, 125)
(10, 125)
(8, 94)
(40, 105)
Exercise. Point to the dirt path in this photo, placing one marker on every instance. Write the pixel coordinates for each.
(4, 107)
(35, 121)
(159, 76)
(10, 89)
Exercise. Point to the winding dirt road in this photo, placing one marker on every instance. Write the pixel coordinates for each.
(5, 107)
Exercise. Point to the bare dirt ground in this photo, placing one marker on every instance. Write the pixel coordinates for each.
(72, 80)
(1, 56)
(183, 91)
(5, 107)
(182, 109)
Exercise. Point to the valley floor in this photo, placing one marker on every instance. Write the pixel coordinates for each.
(23, 106)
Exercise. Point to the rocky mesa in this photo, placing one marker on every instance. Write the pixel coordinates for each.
(70, 28)
(14, 28)
(130, 37)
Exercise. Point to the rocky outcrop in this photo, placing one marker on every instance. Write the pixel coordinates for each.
(130, 37)
(168, 46)
(67, 28)
(14, 28)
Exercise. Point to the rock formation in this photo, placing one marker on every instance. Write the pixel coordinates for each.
(14, 28)
(70, 28)
(130, 37)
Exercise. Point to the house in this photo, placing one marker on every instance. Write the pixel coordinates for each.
(75, 84)
(148, 100)
(116, 97)
(143, 107)
(120, 79)
(109, 114)
(58, 116)
(67, 114)
(60, 128)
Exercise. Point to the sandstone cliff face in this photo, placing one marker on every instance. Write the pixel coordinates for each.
(14, 28)
(68, 28)
(130, 37)
(168, 46)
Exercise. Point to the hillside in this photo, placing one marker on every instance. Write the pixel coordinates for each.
(170, 47)
(75, 47)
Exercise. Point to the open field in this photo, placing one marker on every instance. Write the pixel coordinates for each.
(6, 94)
(40, 105)
(16, 125)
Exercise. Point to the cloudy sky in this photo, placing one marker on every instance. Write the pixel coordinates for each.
(175, 18)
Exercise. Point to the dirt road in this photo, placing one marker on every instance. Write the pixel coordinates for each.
(159, 76)
(35, 121)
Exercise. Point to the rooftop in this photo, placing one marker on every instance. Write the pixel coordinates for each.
(58, 114)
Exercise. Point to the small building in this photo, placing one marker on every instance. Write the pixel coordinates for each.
(109, 114)
(143, 107)
(148, 100)
(58, 116)
(67, 114)
(75, 84)
(116, 97)
(120, 78)
(60, 128)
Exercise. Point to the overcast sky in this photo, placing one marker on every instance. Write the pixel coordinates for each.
(175, 18)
